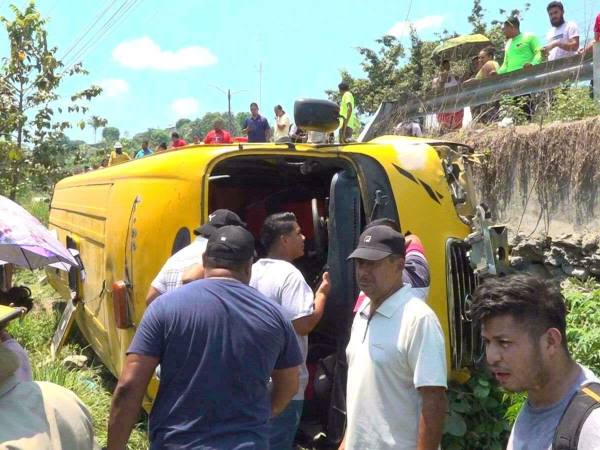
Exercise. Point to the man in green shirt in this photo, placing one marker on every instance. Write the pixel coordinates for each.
(348, 120)
(522, 50)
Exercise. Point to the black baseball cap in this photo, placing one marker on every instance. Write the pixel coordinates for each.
(383, 221)
(513, 21)
(231, 242)
(379, 242)
(218, 219)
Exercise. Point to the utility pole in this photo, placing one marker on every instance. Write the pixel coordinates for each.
(228, 93)
(260, 72)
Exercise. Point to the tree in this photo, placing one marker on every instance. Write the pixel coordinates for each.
(97, 122)
(383, 76)
(111, 134)
(29, 79)
(181, 122)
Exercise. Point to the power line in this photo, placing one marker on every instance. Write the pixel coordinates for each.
(87, 30)
(95, 38)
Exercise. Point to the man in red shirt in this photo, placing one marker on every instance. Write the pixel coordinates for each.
(218, 135)
(588, 48)
(176, 141)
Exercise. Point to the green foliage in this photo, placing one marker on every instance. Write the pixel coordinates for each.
(29, 79)
(583, 322)
(475, 420)
(111, 135)
(572, 103)
(513, 108)
(97, 122)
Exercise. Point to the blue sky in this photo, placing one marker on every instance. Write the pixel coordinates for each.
(160, 60)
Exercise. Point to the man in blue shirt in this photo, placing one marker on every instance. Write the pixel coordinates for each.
(145, 151)
(256, 126)
(218, 341)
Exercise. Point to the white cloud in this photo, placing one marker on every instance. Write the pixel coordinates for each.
(185, 107)
(144, 53)
(401, 29)
(113, 87)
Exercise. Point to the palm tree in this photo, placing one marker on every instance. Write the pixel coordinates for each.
(97, 122)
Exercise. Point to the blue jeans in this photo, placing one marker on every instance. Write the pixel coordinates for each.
(284, 426)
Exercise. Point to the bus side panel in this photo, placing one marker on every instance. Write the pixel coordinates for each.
(79, 213)
(151, 214)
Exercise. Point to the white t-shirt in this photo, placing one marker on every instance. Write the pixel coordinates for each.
(283, 283)
(563, 34)
(400, 349)
(169, 277)
(281, 120)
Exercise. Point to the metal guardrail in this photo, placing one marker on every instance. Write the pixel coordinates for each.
(541, 77)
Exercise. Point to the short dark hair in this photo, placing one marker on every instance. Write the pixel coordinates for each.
(175, 135)
(276, 225)
(343, 86)
(490, 51)
(555, 4)
(212, 262)
(279, 107)
(253, 104)
(163, 145)
(530, 300)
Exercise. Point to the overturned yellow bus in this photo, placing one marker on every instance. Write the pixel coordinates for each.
(125, 221)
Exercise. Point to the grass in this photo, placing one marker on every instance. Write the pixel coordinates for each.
(93, 384)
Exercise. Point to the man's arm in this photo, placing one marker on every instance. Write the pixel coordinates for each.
(536, 48)
(285, 386)
(431, 421)
(193, 273)
(304, 325)
(127, 399)
(504, 65)
(152, 295)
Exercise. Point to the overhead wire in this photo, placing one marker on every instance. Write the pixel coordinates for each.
(116, 18)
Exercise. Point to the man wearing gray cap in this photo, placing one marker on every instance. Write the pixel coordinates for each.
(396, 391)
(218, 341)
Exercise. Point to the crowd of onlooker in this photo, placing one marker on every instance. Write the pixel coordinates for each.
(522, 50)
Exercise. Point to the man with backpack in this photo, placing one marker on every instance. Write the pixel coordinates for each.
(523, 325)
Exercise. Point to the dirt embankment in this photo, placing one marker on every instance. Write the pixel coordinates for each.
(542, 181)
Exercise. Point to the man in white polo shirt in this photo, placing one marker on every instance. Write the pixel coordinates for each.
(396, 392)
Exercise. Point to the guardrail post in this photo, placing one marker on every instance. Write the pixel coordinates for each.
(596, 76)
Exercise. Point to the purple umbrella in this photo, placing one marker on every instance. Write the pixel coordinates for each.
(25, 242)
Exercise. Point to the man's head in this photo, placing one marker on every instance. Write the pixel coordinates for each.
(229, 252)
(485, 55)
(254, 109)
(379, 260)
(217, 219)
(118, 148)
(218, 124)
(174, 136)
(145, 144)
(162, 146)
(523, 325)
(278, 110)
(556, 13)
(281, 234)
(445, 66)
(343, 87)
(511, 27)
